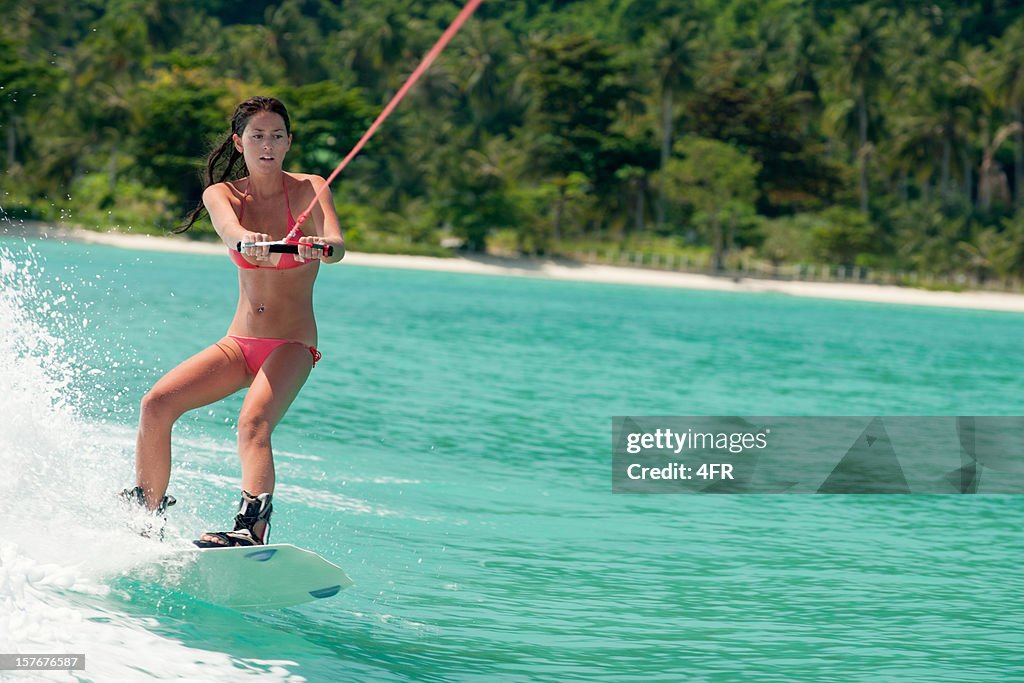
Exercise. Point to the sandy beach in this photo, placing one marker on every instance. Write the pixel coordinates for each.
(561, 270)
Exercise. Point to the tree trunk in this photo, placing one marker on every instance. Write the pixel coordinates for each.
(862, 116)
(1018, 156)
(641, 190)
(11, 144)
(559, 209)
(985, 140)
(992, 182)
(666, 148)
(968, 179)
(716, 237)
(947, 151)
(730, 236)
(112, 171)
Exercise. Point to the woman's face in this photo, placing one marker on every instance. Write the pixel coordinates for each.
(264, 142)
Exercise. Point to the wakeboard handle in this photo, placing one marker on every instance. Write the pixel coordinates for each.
(283, 247)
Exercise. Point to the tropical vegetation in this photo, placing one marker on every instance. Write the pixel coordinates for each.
(717, 132)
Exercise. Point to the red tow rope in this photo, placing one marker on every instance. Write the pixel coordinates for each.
(442, 42)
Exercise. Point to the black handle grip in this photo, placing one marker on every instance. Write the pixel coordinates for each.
(291, 248)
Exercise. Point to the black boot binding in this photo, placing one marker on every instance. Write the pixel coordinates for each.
(154, 527)
(254, 509)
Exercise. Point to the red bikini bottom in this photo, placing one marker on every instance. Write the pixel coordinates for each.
(256, 349)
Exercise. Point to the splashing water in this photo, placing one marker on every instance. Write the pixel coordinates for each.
(57, 473)
(64, 537)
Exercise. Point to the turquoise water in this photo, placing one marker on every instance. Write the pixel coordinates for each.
(452, 453)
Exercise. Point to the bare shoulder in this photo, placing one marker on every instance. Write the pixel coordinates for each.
(227, 190)
(305, 185)
(312, 179)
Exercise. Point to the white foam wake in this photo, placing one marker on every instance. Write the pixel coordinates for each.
(63, 537)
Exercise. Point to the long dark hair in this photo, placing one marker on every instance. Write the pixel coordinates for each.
(223, 161)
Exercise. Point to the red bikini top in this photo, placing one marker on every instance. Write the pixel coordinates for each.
(294, 233)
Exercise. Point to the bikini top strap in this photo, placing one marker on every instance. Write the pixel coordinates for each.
(241, 212)
(287, 202)
(295, 230)
(284, 186)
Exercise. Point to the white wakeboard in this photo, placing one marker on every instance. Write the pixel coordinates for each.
(253, 578)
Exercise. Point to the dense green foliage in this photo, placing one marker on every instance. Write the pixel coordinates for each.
(861, 134)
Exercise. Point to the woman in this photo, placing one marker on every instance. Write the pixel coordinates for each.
(270, 345)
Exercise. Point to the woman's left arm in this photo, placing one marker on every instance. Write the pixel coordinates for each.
(328, 230)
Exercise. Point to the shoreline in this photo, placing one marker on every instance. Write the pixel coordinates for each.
(557, 270)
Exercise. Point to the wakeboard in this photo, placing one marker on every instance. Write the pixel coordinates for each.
(253, 578)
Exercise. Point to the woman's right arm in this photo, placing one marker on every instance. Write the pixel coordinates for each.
(222, 215)
(225, 222)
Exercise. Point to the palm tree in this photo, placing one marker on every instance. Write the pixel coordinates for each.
(107, 65)
(1009, 61)
(861, 71)
(672, 51)
(479, 58)
(930, 108)
(991, 179)
(800, 54)
(298, 38)
(978, 81)
(374, 41)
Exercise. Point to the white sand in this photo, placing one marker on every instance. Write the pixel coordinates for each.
(484, 265)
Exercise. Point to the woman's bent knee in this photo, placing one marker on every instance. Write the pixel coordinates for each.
(159, 406)
(254, 430)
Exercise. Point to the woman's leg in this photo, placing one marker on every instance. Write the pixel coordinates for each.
(210, 375)
(271, 393)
